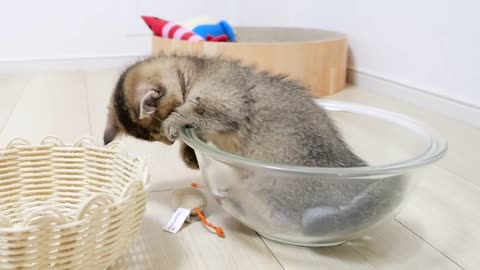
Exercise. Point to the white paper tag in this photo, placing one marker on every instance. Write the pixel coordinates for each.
(177, 220)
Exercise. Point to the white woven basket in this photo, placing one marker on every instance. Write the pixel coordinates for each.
(68, 206)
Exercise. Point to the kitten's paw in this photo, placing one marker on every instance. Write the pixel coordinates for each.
(173, 132)
(172, 126)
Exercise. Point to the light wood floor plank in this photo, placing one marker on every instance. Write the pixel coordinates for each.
(444, 212)
(194, 247)
(335, 258)
(52, 104)
(100, 84)
(389, 246)
(12, 87)
(392, 246)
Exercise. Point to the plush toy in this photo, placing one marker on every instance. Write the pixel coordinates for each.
(166, 29)
(221, 38)
(215, 30)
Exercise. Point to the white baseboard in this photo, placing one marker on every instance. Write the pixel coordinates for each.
(67, 64)
(455, 109)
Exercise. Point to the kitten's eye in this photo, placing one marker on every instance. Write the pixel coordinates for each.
(159, 89)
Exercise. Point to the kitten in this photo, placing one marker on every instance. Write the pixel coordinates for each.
(255, 115)
(249, 113)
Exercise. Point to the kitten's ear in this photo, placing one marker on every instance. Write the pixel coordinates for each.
(111, 130)
(148, 104)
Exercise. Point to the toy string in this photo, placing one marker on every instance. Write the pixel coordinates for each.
(218, 230)
(200, 215)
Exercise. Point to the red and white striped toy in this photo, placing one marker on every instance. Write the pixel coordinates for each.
(166, 29)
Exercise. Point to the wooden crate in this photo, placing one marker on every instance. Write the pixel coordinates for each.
(315, 57)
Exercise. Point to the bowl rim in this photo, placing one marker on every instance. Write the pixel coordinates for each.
(436, 149)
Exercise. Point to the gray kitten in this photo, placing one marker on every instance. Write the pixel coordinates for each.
(253, 114)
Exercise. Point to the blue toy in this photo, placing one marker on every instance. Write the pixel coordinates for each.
(215, 30)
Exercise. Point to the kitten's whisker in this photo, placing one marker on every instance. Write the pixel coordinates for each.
(153, 116)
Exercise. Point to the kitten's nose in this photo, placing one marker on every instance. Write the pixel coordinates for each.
(107, 138)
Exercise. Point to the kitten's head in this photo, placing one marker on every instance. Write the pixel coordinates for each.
(145, 94)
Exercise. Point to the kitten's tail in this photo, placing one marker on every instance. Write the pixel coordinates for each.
(378, 199)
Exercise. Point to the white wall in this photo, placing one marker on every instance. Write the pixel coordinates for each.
(237, 12)
(56, 29)
(432, 45)
(59, 29)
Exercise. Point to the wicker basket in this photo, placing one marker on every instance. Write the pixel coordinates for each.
(68, 206)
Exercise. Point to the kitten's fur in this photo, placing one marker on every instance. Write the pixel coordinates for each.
(256, 115)
(253, 114)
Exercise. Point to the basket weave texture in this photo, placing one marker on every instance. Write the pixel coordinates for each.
(68, 206)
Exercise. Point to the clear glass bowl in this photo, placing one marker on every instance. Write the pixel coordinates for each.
(311, 206)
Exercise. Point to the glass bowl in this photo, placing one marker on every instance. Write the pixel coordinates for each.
(312, 206)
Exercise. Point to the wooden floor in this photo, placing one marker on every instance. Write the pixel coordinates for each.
(438, 229)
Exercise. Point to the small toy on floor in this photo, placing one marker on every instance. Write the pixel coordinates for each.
(189, 202)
